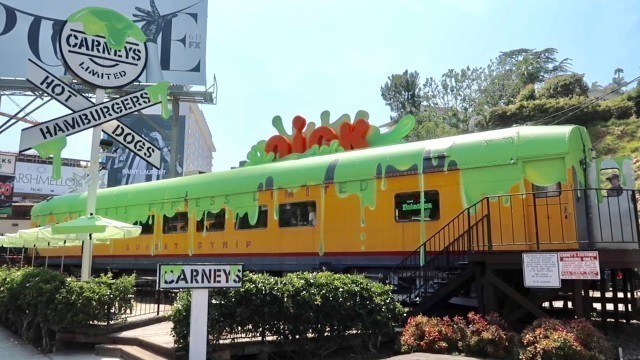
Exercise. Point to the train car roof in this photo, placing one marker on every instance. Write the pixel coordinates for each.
(488, 148)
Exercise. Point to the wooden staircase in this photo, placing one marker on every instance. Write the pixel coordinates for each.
(439, 269)
(465, 264)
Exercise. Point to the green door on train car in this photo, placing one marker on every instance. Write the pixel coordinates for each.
(550, 214)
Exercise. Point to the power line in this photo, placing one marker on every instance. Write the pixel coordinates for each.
(581, 106)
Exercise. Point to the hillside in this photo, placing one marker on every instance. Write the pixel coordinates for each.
(617, 138)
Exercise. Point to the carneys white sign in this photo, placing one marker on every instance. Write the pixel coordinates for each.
(175, 30)
(199, 276)
(36, 179)
(93, 60)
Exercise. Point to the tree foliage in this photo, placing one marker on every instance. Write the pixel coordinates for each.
(402, 93)
(429, 125)
(553, 111)
(455, 96)
(459, 100)
(528, 93)
(564, 86)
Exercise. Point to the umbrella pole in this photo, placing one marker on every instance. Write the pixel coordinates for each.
(92, 192)
(22, 257)
(46, 261)
(62, 263)
(33, 257)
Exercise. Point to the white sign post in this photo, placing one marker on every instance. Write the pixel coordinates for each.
(541, 270)
(199, 278)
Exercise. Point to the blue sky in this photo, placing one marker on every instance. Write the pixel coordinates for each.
(287, 58)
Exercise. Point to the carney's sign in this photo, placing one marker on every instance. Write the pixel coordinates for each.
(75, 101)
(101, 49)
(199, 276)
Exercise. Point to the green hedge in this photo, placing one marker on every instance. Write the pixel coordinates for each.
(531, 111)
(293, 307)
(34, 302)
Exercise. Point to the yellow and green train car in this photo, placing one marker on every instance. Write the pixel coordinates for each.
(369, 208)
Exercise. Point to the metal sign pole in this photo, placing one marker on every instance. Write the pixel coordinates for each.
(87, 245)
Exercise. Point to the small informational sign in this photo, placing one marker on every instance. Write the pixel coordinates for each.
(579, 265)
(541, 270)
(199, 276)
(7, 164)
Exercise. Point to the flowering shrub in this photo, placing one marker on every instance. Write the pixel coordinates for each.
(553, 339)
(429, 334)
(477, 335)
(592, 339)
(488, 336)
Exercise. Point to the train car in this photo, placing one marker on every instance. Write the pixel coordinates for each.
(368, 208)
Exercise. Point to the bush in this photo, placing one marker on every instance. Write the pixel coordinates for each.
(633, 96)
(592, 339)
(576, 110)
(432, 335)
(293, 307)
(100, 299)
(488, 336)
(33, 301)
(553, 339)
(564, 86)
(477, 336)
(528, 93)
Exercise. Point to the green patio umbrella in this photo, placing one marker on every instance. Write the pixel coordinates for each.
(98, 227)
(44, 234)
(11, 240)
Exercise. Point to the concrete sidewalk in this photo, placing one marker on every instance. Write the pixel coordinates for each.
(12, 347)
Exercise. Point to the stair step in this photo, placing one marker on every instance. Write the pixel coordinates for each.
(127, 352)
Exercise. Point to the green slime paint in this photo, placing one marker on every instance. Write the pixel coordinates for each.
(53, 148)
(115, 27)
(158, 93)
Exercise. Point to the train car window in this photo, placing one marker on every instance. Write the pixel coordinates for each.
(147, 226)
(214, 221)
(297, 214)
(242, 223)
(610, 182)
(177, 223)
(546, 191)
(408, 206)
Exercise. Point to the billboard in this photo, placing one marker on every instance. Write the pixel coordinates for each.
(127, 168)
(33, 178)
(175, 30)
(6, 194)
(7, 164)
